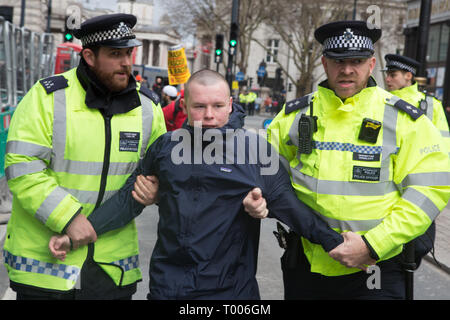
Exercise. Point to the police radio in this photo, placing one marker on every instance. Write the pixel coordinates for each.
(307, 125)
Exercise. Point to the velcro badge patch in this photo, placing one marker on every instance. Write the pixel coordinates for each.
(129, 141)
(366, 173)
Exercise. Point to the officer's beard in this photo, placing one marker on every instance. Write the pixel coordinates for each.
(111, 80)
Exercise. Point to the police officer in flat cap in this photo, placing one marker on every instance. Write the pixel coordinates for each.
(73, 141)
(400, 73)
(348, 146)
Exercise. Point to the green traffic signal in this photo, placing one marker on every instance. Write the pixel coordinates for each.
(233, 43)
(68, 36)
(218, 52)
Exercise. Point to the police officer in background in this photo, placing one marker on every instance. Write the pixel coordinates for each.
(400, 73)
(73, 141)
(370, 164)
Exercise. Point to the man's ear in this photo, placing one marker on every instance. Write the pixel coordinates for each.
(89, 57)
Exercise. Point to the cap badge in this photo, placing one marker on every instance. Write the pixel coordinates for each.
(123, 28)
(348, 34)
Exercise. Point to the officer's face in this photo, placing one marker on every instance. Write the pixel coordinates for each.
(210, 104)
(347, 77)
(112, 66)
(397, 79)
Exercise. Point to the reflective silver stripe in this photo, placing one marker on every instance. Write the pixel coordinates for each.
(422, 201)
(59, 130)
(35, 266)
(147, 119)
(445, 134)
(389, 136)
(430, 107)
(293, 132)
(94, 168)
(427, 179)
(50, 203)
(343, 188)
(28, 149)
(89, 196)
(22, 168)
(351, 225)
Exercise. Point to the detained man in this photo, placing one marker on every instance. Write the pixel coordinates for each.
(207, 244)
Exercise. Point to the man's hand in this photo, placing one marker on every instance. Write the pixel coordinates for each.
(353, 253)
(255, 204)
(59, 246)
(81, 231)
(146, 190)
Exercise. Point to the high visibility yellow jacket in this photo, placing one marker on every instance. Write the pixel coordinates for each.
(434, 109)
(251, 97)
(62, 156)
(388, 191)
(242, 98)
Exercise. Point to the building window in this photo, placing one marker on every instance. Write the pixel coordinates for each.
(443, 48)
(272, 52)
(433, 43)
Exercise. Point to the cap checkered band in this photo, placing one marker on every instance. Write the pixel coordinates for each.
(348, 41)
(123, 31)
(402, 66)
(35, 266)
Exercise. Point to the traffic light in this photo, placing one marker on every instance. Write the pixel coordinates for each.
(234, 33)
(219, 48)
(68, 35)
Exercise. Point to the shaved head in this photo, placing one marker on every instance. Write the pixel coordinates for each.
(204, 77)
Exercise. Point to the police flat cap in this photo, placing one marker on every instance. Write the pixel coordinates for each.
(398, 62)
(110, 30)
(347, 39)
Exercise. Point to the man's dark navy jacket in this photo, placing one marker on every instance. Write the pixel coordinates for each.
(207, 246)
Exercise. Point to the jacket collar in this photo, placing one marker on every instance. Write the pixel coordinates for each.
(99, 97)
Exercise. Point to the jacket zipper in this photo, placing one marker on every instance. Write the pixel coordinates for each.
(106, 160)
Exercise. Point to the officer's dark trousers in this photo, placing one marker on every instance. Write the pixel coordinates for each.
(302, 284)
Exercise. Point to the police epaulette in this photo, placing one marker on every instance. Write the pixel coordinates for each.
(53, 83)
(411, 110)
(297, 104)
(149, 94)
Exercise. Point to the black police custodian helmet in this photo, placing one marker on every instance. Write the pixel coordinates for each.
(398, 62)
(347, 39)
(110, 30)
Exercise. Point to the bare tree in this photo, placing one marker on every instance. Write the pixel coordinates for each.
(211, 17)
(295, 22)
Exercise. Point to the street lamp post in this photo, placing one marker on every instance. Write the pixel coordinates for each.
(422, 42)
(234, 34)
(49, 15)
(22, 14)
